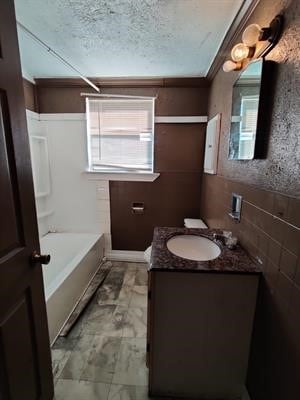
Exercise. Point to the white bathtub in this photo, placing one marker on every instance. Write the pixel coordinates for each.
(75, 258)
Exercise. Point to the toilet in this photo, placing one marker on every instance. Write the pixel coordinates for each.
(188, 223)
(194, 223)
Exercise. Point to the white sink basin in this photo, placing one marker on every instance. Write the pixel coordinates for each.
(192, 247)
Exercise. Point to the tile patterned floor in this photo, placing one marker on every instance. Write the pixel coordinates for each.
(103, 357)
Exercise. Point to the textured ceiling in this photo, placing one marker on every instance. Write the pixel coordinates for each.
(118, 38)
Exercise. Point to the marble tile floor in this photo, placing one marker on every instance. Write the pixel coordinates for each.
(104, 355)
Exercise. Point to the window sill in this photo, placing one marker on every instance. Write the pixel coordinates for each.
(121, 176)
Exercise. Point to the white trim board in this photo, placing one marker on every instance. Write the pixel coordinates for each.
(27, 76)
(82, 117)
(125, 255)
(32, 115)
(56, 117)
(181, 120)
(63, 116)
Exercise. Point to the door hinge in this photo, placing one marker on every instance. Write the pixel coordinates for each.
(148, 348)
(149, 295)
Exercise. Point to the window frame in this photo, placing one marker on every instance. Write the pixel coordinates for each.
(122, 171)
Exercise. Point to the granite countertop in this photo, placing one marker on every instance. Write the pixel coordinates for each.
(235, 261)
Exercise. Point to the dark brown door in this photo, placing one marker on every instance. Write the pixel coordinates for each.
(25, 361)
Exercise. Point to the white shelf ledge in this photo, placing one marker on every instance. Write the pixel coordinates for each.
(41, 194)
(121, 176)
(45, 214)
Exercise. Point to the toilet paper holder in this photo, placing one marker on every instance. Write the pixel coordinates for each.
(138, 208)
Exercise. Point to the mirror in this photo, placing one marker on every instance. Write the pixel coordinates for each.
(244, 114)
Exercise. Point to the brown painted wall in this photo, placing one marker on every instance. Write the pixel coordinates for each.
(279, 171)
(30, 96)
(168, 200)
(175, 194)
(170, 101)
(270, 225)
(178, 157)
(270, 231)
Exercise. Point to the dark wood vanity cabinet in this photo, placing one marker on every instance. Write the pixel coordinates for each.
(149, 319)
(199, 332)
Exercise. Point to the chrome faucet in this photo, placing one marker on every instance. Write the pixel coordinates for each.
(218, 237)
(226, 239)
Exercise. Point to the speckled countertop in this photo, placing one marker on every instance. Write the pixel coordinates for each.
(162, 259)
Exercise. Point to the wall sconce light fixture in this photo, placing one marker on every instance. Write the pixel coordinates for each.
(252, 45)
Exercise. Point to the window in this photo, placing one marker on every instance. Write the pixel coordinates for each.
(248, 122)
(120, 134)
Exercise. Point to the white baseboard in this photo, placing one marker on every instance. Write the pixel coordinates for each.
(125, 255)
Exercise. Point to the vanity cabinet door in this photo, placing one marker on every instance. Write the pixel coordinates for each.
(194, 340)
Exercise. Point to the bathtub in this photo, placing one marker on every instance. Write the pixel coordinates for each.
(75, 258)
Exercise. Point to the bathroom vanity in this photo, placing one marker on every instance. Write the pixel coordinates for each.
(200, 317)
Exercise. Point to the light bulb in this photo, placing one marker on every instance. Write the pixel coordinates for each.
(231, 66)
(251, 35)
(239, 52)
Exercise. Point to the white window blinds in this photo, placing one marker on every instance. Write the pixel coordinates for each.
(249, 108)
(120, 134)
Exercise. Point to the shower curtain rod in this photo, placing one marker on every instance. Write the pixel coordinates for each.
(55, 54)
(122, 96)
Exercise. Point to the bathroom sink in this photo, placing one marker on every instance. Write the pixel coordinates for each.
(192, 247)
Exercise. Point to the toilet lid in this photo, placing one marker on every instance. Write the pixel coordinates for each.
(194, 223)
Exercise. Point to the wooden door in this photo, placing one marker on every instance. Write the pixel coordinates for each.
(25, 361)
